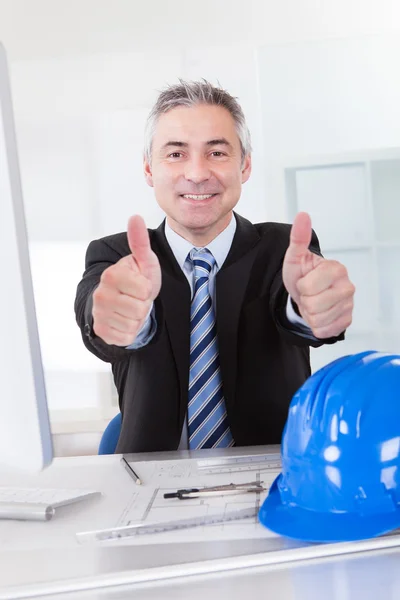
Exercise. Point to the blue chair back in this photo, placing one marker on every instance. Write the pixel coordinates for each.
(110, 437)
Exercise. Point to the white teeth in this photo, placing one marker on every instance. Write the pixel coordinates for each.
(197, 196)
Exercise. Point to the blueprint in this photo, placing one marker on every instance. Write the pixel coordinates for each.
(148, 505)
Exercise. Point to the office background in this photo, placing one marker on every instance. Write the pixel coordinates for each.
(320, 86)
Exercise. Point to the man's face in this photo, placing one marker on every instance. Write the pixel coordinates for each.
(196, 169)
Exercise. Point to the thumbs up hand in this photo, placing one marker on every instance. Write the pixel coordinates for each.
(122, 300)
(321, 288)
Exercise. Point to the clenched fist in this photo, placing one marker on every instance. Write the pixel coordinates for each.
(320, 287)
(127, 289)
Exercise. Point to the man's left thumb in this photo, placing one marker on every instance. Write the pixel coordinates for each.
(300, 238)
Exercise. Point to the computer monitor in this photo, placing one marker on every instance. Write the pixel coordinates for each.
(25, 435)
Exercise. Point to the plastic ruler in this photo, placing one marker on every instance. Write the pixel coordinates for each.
(148, 528)
(240, 463)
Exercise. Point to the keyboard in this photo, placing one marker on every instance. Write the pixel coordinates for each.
(37, 503)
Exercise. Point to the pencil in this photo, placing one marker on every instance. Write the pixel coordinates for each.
(131, 472)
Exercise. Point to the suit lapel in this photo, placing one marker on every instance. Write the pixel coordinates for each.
(231, 284)
(175, 298)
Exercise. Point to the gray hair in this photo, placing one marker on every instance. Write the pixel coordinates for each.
(192, 93)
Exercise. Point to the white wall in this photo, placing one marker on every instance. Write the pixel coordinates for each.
(324, 98)
(84, 76)
(81, 27)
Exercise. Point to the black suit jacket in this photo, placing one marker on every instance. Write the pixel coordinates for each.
(263, 361)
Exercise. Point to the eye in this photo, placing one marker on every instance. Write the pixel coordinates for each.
(175, 155)
(218, 153)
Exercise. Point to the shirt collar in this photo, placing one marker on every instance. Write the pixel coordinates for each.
(219, 246)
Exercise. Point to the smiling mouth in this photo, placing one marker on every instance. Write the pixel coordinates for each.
(197, 196)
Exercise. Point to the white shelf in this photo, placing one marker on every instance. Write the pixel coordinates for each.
(332, 250)
(388, 244)
(362, 248)
(354, 203)
(385, 188)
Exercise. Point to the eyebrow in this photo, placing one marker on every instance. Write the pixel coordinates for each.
(173, 143)
(219, 142)
(215, 142)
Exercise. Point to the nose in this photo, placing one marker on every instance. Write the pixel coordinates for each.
(197, 170)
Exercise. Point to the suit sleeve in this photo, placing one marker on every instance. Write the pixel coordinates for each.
(278, 302)
(99, 256)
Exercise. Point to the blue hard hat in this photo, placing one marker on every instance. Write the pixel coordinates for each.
(340, 453)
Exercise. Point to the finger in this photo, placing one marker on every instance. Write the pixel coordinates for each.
(139, 242)
(113, 336)
(131, 308)
(125, 281)
(300, 238)
(323, 319)
(115, 321)
(334, 329)
(122, 323)
(325, 274)
(136, 286)
(324, 301)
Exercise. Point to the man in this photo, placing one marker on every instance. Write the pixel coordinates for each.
(207, 320)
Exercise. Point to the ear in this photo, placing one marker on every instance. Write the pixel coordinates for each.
(246, 168)
(147, 172)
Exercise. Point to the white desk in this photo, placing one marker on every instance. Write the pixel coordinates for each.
(39, 558)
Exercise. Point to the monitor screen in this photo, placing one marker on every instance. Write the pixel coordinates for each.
(25, 435)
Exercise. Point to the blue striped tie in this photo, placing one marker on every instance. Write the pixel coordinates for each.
(207, 418)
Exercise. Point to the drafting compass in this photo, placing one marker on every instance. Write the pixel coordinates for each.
(218, 490)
